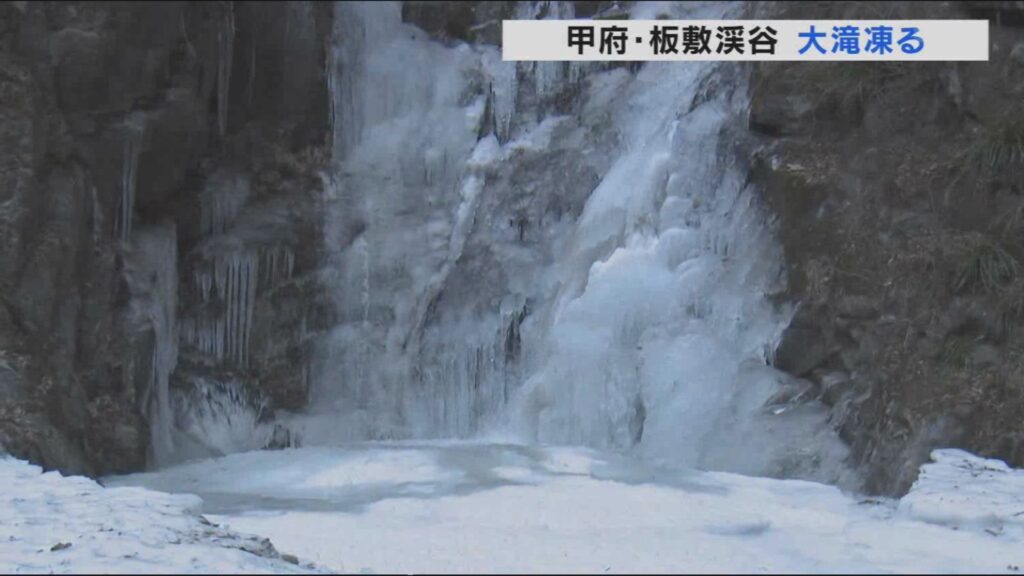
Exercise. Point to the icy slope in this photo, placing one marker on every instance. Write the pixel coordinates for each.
(466, 507)
(52, 523)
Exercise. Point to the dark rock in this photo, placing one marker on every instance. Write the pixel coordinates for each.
(878, 212)
(442, 20)
(859, 307)
(76, 80)
(833, 385)
(802, 349)
(1001, 12)
(985, 356)
(478, 22)
(1017, 54)
(79, 69)
(12, 382)
(31, 436)
(780, 114)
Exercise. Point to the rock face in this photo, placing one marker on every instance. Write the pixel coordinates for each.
(121, 126)
(160, 209)
(898, 193)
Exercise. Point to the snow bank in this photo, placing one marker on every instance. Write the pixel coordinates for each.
(56, 524)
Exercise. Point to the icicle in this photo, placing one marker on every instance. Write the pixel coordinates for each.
(219, 337)
(576, 72)
(135, 128)
(250, 88)
(528, 10)
(238, 276)
(270, 268)
(252, 273)
(345, 62)
(234, 297)
(229, 302)
(504, 86)
(278, 265)
(236, 309)
(366, 281)
(205, 282)
(550, 78)
(97, 217)
(226, 40)
(235, 279)
(221, 202)
(331, 72)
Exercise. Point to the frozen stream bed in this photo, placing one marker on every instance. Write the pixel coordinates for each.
(51, 524)
(470, 507)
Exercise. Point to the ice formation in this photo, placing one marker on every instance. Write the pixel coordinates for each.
(243, 253)
(232, 279)
(217, 417)
(553, 252)
(134, 132)
(484, 287)
(151, 269)
(225, 60)
(234, 270)
(397, 193)
(229, 284)
(221, 202)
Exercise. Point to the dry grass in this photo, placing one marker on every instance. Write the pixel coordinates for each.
(986, 266)
(997, 149)
(957, 351)
(853, 84)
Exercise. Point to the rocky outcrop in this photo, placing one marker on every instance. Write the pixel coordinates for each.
(898, 193)
(116, 121)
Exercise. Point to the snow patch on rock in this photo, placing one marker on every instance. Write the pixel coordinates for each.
(961, 490)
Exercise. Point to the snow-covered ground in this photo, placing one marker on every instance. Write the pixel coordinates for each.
(467, 507)
(53, 524)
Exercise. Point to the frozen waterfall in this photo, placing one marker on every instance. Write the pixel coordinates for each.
(151, 272)
(134, 129)
(504, 264)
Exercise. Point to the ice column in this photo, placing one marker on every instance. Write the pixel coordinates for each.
(152, 268)
(134, 132)
(221, 203)
(226, 43)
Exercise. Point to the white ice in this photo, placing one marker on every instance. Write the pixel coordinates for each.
(152, 276)
(52, 524)
(637, 293)
(471, 507)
